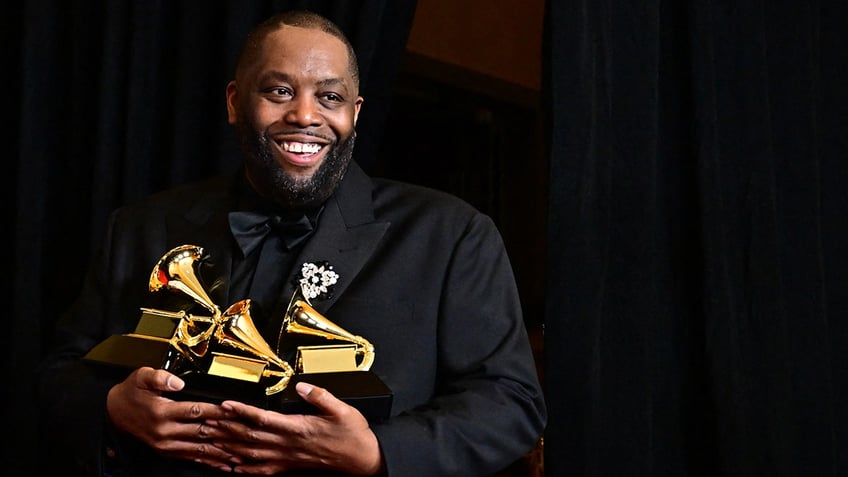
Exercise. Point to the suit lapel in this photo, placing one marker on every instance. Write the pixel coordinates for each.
(345, 249)
(346, 237)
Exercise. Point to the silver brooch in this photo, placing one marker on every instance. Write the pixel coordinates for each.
(317, 280)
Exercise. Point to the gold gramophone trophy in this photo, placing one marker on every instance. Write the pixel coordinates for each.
(221, 355)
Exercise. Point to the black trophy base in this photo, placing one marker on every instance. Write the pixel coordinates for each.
(363, 390)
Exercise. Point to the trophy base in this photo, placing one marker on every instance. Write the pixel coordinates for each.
(363, 390)
(130, 351)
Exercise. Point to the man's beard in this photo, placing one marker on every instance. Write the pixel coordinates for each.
(272, 181)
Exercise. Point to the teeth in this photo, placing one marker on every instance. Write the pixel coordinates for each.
(301, 147)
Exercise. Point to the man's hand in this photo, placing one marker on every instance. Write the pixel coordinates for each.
(336, 437)
(172, 428)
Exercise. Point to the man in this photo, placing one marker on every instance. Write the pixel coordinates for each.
(421, 274)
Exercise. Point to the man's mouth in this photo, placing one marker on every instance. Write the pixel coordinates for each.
(301, 147)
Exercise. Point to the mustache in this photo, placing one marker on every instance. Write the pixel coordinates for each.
(270, 134)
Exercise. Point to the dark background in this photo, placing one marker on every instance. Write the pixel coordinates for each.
(687, 267)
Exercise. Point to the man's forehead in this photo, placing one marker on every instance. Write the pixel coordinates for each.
(293, 37)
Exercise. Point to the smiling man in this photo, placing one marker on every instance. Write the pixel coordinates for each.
(420, 273)
(294, 102)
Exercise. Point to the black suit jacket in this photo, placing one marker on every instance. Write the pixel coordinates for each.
(422, 275)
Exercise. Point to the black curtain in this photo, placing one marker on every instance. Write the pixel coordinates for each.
(108, 101)
(697, 303)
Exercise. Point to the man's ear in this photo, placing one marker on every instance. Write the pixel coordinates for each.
(356, 107)
(232, 98)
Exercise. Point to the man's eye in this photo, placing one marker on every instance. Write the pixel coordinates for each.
(333, 97)
(282, 92)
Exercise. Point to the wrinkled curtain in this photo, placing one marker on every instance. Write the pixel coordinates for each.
(697, 302)
(111, 100)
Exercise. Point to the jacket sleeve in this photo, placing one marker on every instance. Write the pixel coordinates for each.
(488, 409)
(71, 394)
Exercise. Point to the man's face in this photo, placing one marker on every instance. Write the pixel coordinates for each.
(295, 110)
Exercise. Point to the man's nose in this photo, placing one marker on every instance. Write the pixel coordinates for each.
(304, 111)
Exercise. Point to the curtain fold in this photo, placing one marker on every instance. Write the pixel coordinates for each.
(696, 309)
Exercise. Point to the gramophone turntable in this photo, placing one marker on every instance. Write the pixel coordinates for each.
(221, 355)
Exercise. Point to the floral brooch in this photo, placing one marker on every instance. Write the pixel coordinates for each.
(317, 280)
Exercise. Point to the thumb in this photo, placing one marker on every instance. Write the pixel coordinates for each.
(174, 383)
(319, 397)
(165, 381)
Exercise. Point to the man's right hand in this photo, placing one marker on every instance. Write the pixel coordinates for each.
(172, 428)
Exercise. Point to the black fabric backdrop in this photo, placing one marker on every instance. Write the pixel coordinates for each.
(110, 100)
(697, 282)
(696, 310)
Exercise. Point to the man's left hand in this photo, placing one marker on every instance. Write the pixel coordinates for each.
(336, 437)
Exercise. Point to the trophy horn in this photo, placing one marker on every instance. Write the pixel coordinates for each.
(302, 318)
(175, 271)
(237, 330)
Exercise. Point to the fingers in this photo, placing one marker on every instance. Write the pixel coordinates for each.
(235, 409)
(325, 402)
(206, 453)
(222, 466)
(174, 428)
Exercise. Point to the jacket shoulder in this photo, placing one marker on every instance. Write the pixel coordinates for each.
(389, 192)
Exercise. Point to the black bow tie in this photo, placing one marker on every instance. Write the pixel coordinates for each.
(251, 228)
